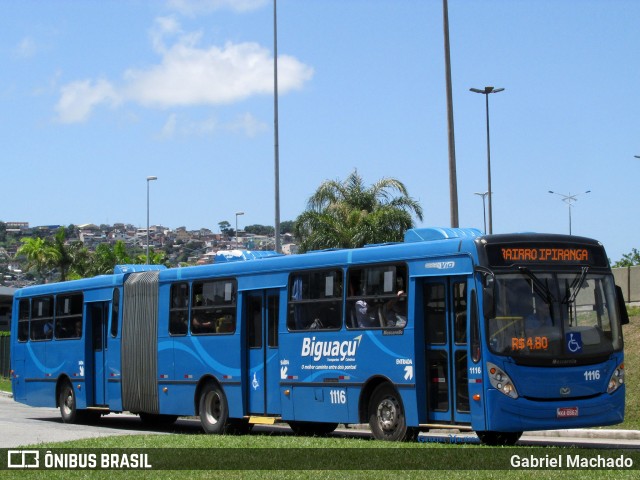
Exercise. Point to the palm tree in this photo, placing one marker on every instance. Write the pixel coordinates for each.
(62, 259)
(350, 215)
(40, 255)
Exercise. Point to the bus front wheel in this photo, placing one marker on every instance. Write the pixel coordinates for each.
(499, 438)
(214, 409)
(386, 415)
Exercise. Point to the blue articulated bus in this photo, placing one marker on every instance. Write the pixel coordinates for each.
(498, 334)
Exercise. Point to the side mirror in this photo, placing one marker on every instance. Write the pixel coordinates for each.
(488, 292)
(622, 307)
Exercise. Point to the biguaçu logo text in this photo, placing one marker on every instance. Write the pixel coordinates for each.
(330, 349)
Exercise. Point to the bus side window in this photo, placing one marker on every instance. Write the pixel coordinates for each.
(42, 318)
(68, 322)
(377, 297)
(24, 312)
(315, 300)
(115, 312)
(179, 309)
(213, 307)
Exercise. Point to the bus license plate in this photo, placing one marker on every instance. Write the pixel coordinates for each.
(565, 412)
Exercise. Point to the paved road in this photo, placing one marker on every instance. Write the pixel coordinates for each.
(22, 425)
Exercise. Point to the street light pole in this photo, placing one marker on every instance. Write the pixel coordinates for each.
(275, 128)
(484, 210)
(569, 200)
(149, 179)
(237, 215)
(453, 182)
(486, 91)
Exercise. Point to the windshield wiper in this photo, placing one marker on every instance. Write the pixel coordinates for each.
(540, 288)
(576, 286)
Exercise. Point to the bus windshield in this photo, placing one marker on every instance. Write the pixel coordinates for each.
(554, 317)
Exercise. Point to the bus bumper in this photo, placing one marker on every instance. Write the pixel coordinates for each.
(505, 414)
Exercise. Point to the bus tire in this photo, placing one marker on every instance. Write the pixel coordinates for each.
(386, 415)
(214, 409)
(313, 429)
(67, 403)
(499, 438)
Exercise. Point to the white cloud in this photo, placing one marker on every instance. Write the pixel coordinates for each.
(27, 48)
(80, 97)
(188, 74)
(195, 7)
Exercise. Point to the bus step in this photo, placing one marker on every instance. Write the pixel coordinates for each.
(99, 409)
(263, 420)
(462, 428)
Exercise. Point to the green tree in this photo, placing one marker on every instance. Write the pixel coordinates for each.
(62, 259)
(105, 258)
(628, 259)
(349, 214)
(39, 253)
(225, 229)
(287, 226)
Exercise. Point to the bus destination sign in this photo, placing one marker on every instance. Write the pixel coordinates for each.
(544, 254)
(502, 255)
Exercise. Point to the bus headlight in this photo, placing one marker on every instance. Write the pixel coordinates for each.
(501, 381)
(617, 379)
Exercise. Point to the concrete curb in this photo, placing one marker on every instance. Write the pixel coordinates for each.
(587, 433)
(6, 394)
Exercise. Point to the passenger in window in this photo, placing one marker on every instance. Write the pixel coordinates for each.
(201, 326)
(78, 329)
(48, 329)
(395, 311)
(225, 324)
(366, 315)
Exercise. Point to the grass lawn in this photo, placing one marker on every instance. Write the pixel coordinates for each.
(5, 384)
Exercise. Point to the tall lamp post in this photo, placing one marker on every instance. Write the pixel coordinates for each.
(569, 200)
(486, 91)
(275, 127)
(149, 179)
(237, 215)
(484, 210)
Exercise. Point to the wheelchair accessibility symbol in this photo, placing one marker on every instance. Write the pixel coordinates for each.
(574, 342)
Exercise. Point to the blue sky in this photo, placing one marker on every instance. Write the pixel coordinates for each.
(97, 95)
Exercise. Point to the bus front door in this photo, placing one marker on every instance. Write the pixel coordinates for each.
(262, 378)
(98, 318)
(446, 309)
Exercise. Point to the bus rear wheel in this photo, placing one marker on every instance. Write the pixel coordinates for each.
(67, 404)
(386, 415)
(214, 409)
(499, 438)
